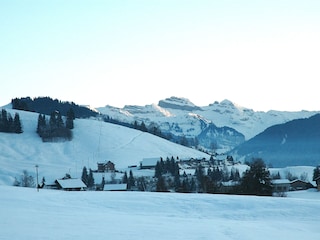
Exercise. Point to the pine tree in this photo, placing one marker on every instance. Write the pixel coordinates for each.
(125, 178)
(316, 173)
(256, 180)
(4, 124)
(53, 121)
(200, 176)
(84, 176)
(90, 179)
(143, 127)
(17, 124)
(70, 118)
(131, 181)
(177, 182)
(158, 170)
(161, 185)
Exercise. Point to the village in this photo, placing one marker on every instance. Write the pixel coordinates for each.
(142, 177)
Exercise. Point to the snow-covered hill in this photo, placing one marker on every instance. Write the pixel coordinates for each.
(181, 117)
(93, 141)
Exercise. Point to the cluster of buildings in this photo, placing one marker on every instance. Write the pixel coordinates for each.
(107, 172)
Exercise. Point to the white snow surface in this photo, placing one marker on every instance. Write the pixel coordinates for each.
(93, 141)
(53, 214)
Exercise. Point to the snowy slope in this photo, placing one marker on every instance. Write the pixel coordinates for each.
(93, 141)
(50, 214)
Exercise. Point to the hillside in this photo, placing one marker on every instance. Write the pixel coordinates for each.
(93, 141)
(296, 142)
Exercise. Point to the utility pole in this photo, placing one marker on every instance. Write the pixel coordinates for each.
(37, 178)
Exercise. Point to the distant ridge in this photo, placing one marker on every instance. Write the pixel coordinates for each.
(294, 143)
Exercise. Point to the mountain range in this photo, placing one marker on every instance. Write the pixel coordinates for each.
(220, 126)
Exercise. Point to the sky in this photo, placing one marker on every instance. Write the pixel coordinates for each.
(261, 55)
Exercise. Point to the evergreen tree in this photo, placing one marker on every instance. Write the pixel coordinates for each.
(41, 124)
(4, 123)
(84, 176)
(125, 178)
(90, 179)
(316, 173)
(103, 182)
(135, 125)
(256, 180)
(59, 120)
(70, 118)
(161, 185)
(143, 127)
(17, 124)
(185, 186)
(53, 121)
(131, 181)
(157, 171)
(10, 128)
(200, 176)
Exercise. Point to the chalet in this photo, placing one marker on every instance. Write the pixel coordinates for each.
(318, 182)
(70, 184)
(115, 187)
(106, 167)
(281, 185)
(299, 185)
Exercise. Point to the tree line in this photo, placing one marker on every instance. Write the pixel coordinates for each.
(256, 180)
(10, 124)
(55, 128)
(46, 105)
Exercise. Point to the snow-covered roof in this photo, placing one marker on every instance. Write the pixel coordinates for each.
(71, 183)
(115, 187)
(150, 161)
(281, 181)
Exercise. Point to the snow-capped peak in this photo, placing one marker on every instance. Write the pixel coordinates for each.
(178, 103)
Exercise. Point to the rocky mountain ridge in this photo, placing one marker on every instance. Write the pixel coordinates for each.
(180, 116)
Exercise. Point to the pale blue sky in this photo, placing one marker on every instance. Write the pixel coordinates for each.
(259, 54)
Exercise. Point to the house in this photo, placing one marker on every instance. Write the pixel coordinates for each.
(298, 184)
(70, 184)
(228, 187)
(106, 167)
(149, 163)
(281, 185)
(318, 182)
(115, 187)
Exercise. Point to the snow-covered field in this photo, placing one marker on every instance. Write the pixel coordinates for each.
(51, 214)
